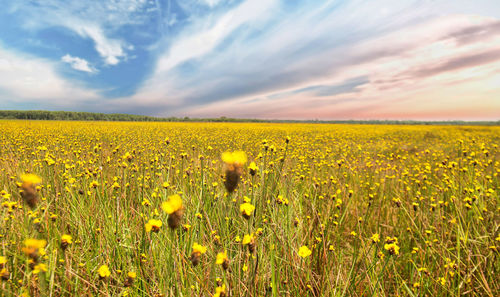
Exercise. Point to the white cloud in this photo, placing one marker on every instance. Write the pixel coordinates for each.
(25, 78)
(211, 3)
(423, 72)
(111, 50)
(97, 20)
(78, 63)
(196, 41)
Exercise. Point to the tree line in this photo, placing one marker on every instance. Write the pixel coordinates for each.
(93, 116)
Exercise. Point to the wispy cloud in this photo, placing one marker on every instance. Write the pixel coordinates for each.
(78, 63)
(28, 79)
(272, 59)
(409, 73)
(96, 20)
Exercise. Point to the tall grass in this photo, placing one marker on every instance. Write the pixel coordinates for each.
(331, 188)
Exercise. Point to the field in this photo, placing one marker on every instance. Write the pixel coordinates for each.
(91, 209)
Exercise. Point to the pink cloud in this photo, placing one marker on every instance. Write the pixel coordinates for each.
(446, 68)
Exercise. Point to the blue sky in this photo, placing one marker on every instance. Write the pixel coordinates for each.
(286, 59)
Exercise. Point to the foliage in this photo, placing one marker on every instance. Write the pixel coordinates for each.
(92, 116)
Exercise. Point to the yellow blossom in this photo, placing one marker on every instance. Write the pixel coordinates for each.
(29, 179)
(173, 204)
(197, 248)
(237, 158)
(247, 209)
(153, 225)
(103, 271)
(304, 251)
(221, 257)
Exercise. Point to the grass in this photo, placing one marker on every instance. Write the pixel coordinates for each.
(431, 193)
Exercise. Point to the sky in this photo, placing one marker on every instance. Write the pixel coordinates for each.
(268, 59)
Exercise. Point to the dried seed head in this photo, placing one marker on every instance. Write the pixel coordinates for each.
(29, 195)
(195, 258)
(174, 219)
(232, 179)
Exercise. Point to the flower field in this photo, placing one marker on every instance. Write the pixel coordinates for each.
(219, 209)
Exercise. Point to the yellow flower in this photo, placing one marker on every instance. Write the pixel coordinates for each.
(246, 210)
(220, 291)
(234, 162)
(153, 225)
(173, 204)
(67, 239)
(253, 168)
(247, 239)
(304, 251)
(30, 179)
(34, 247)
(392, 248)
(221, 258)
(237, 158)
(197, 248)
(103, 271)
(131, 274)
(40, 268)
(375, 238)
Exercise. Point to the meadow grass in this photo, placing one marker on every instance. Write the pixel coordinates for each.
(340, 210)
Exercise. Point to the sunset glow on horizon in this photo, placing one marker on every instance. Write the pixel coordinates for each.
(327, 60)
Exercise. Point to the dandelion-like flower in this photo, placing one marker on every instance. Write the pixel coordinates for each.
(4, 273)
(198, 250)
(103, 272)
(34, 248)
(304, 252)
(153, 225)
(40, 268)
(223, 260)
(66, 240)
(249, 240)
(234, 168)
(173, 207)
(131, 275)
(392, 248)
(220, 291)
(252, 168)
(246, 210)
(28, 188)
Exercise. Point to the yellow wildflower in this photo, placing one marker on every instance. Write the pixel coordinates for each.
(246, 210)
(223, 260)
(198, 250)
(30, 179)
(66, 240)
(234, 162)
(252, 168)
(220, 291)
(40, 268)
(103, 271)
(153, 225)
(304, 251)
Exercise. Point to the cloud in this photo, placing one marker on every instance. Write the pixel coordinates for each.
(28, 79)
(419, 72)
(78, 63)
(109, 49)
(196, 42)
(285, 59)
(97, 20)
